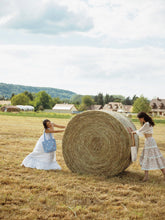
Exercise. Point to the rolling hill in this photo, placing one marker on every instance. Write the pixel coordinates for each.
(6, 90)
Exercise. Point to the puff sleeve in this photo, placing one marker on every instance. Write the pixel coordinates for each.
(144, 129)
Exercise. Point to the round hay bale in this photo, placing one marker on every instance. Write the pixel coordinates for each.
(98, 142)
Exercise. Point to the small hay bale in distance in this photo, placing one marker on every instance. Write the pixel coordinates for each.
(98, 142)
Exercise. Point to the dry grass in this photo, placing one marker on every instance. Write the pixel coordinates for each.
(36, 194)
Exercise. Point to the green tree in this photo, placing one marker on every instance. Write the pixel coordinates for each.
(127, 101)
(30, 95)
(95, 99)
(100, 99)
(76, 99)
(42, 101)
(111, 98)
(77, 103)
(66, 101)
(20, 99)
(81, 107)
(12, 95)
(56, 101)
(134, 98)
(118, 98)
(87, 100)
(106, 99)
(141, 104)
(2, 97)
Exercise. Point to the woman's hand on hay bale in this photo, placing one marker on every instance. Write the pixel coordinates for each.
(133, 138)
(58, 126)
(132, 134)
(51, 128)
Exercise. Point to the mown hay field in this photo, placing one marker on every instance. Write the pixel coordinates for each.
(37, 194)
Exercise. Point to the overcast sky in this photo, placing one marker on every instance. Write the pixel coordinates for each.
(86, 46)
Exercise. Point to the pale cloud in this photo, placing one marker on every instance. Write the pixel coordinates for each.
(128, 20)
(84, 69)
(45, 17)
(123, 42)
(112, 19)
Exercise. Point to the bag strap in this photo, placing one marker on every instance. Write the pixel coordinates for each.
(51, 136)
(45, 136)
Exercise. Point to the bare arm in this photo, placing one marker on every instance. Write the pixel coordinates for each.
(133, 138)
(53, 131)
(58, 126)
(142, 130)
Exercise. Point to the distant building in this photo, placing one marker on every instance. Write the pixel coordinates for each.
(64, 108)
(25, 107)
(5, 102)
(118, 107)
(95, 107)
(113, 106)
(157, 107)
(10, 109)
(128, 108)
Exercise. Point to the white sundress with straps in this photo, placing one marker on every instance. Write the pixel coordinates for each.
(39, 159)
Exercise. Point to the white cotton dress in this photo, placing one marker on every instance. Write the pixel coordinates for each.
(39, 159)
(151, 157)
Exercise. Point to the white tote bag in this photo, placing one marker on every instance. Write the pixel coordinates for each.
(133, 153)
(133, 150)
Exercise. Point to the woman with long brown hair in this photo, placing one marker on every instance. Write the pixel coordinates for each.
(40, 159)
(151, 157)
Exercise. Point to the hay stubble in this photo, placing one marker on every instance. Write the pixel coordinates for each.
(35, 194)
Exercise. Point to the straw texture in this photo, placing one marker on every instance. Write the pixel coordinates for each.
(98, 142)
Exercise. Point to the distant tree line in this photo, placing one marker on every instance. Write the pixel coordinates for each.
(43, 100)
(139, 103)
(6, 91)
(2, 97)
(100, 99)
(40, 100)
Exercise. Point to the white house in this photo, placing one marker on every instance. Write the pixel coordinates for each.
(25, 107)
(64, 108)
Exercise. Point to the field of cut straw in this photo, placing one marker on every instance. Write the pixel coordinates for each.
(36, 194)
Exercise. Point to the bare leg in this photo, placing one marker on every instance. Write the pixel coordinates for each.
(163, 171)
(146, 176)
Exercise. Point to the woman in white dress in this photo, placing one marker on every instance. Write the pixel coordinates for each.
(38, 158)
(151, 157)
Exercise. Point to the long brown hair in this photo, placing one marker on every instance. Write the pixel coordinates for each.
(45, 123)
(146, 117)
